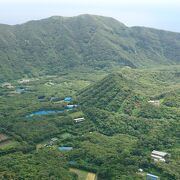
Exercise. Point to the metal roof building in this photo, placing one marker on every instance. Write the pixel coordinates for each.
(151, 177)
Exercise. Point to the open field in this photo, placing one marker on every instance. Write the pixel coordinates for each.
(8, 145)
(83, 175)
(91, 176)
(121, 126)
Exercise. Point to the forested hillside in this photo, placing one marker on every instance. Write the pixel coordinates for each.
(126, 115)
(60, 44)
(87, 97)
(122, 93)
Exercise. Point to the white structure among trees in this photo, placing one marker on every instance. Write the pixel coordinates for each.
(159, 155)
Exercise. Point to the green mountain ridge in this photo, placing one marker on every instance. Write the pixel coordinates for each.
(117, 92)
(60, 44)
(120, 126)
(112, 94)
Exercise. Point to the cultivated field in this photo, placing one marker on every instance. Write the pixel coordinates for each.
(5, 145)
(83, 175)
(91, 176)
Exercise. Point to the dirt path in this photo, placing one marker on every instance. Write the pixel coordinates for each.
(91, 176)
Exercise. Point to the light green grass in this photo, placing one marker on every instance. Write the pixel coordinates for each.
(65, 135)
(8, 145)
(77, 114)
(82, 175)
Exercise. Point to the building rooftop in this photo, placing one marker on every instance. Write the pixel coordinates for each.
(159, 153)
(68, 99)
(64, 148)
(152, 176)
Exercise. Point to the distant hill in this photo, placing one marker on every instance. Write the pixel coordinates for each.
(121, 93)
(113, 93)
(59, 44)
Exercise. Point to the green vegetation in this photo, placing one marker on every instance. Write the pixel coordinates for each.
(7, 145)
(120, 130)
(128, 111)
(59, 45)
(81, 174)
(34, 166)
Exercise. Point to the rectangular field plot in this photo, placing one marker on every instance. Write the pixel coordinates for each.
(9, 144)
(83, 175)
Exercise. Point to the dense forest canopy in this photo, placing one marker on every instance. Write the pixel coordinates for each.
(87, 97)
(56, 45)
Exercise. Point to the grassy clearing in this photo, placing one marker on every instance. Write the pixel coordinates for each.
(82, 175)
(77, 114)
(39, 146)
(65, 135)
(91, 176)
(8, 145)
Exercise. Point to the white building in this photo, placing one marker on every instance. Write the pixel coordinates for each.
(79, 120)
(159, 155)
(22, 81)
(7, 85)
(72, 106)
(154, 102)
(151, 177)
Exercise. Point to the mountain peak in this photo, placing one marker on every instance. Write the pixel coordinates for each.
(111, 93)
(59, 44)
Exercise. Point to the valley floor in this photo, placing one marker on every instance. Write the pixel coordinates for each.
(107, 130)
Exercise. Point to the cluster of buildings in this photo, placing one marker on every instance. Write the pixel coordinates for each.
(68, 106)
(15, 89)
(7, 85)
(156, 156)
(54, 99)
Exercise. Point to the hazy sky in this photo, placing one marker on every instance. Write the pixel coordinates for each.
(162, 14)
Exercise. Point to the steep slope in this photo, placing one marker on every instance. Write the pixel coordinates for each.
(58, 44)
(113, 93)
(117, 92)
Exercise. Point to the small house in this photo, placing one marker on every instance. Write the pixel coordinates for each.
(7, 85)
(65, 148)
(159, 155)
(151, 177)
(77, 120)
(72, 106)
(154, 102)
(68, 99)
(41, 98)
